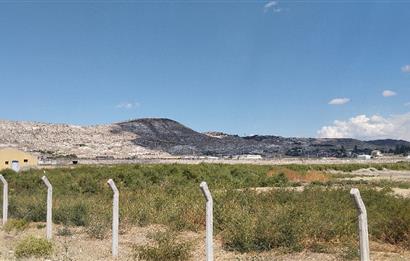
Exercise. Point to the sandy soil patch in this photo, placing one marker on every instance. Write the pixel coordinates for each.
(373, 174)
(79, 246)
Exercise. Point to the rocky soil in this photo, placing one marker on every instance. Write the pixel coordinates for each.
(61, 140)
(79, 246)
(162, 138)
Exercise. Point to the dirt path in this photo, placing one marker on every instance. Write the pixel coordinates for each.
(373, 174)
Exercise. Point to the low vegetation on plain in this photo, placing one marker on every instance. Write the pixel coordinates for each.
(320, 218)
(16, 225)
(33, 247)
(167, 246)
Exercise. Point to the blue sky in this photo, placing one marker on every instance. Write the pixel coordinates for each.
(241, 67)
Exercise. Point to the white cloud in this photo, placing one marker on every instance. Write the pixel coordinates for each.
(272, 5)
(407, 104)
(339, 101)
(127, 105)
(368, 128)
(406, 68)
(389, 93)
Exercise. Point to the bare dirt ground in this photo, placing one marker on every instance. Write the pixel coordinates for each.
(379, 175)
(79, 246)
(374, 174)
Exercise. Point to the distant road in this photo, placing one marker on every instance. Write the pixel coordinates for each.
(278, 161)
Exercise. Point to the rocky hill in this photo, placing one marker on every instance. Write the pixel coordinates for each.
(154, 138)
(62, 140)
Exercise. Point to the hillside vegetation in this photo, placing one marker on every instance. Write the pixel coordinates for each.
(321, 218)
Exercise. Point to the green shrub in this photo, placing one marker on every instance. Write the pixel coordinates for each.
(64, 232)
(88, 185)
(166, 247)
(16, 224)
(350, 252)
(319, 218)
(29, 207)
(280, 179)
(33, 247)
(264, 230)
(71, 214)
(319, 248)
(389, 218)
(97, 226)
(40, 226)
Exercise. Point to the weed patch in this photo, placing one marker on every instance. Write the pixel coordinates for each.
(319, 218)
(33, 247)
(16, 225)
(64, 232)
(166, 247)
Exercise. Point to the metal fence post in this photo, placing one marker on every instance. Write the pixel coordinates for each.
(209, 221)
(363, 229)
(49, 207)
(5, 199)
(115, 218)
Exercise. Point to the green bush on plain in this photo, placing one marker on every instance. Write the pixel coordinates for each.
(16, 224)
(34, 247)
(166, 247)
(317, 219)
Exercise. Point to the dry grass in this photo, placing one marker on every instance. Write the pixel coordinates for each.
(299, 176)
(17, 225)
(33, 247)
(166, 247)
(318, 218)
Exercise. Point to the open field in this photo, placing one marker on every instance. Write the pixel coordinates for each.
(286, 212)
(206, 160)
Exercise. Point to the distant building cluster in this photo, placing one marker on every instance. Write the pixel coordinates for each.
(249, 157)
(374, 154)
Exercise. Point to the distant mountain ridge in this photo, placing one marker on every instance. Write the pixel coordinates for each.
(158, 137)
(174, 138)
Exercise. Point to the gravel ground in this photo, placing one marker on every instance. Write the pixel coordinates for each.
(80, 247)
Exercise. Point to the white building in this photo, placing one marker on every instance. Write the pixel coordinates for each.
(364, 157)
(376, 154)
(250, 157)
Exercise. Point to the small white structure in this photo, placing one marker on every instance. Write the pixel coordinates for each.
(250, 157)
(364, 157)
(376, 154)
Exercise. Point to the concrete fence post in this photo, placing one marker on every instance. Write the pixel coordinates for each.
(115, 218)
(49, 207)
(5, 199)
(209, 221)
(363, 229)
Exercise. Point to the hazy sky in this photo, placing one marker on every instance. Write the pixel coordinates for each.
(286, 68)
